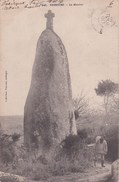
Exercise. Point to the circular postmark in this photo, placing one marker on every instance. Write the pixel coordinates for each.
(105, 19)
(102, 19)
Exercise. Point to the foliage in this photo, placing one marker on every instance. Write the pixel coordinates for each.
(106, 88)
(35, 170)
(6, 150)
(15, 137)
(72, 144)
(110, 131)
(111, 134)
(7, 147)
(81, 106)
(82, 134)
(114, 106)
(57, 162)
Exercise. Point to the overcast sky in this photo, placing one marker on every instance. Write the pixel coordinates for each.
(92, 56)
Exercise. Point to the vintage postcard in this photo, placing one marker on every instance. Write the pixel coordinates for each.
(59, 88)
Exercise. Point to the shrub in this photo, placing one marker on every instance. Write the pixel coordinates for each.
(15, 137)
(71, 156)
(111, 134)
(74, 148)
(7, 147)
(71, 145)
(82, 134)
(7, 152)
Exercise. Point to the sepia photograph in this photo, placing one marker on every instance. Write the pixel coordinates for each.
(59, 91)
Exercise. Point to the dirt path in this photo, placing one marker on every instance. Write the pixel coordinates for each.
(95, 174)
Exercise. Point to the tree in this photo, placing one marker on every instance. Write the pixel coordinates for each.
(106, 89)
(114, 110)
(80, 106)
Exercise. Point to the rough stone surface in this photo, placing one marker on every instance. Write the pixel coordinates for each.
(48, 113)
(115, 171)
(12, 176)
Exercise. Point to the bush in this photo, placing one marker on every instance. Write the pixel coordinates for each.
(111, 134)
(82, 134)
(7, 147)
(15, 137)
(7, 152)
(72, 157)
(71, 146)
(74, 149)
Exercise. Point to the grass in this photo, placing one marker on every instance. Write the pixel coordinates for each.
(72, 156)
(57, 163)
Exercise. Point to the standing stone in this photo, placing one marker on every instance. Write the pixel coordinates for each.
(48, 113)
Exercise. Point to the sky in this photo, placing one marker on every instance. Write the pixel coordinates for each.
(92, 56)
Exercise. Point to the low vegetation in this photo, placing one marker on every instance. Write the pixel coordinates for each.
(73, 154)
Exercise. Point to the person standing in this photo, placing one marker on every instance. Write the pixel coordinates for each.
(100, 150)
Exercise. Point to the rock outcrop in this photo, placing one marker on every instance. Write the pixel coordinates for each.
(115, 171)
(12, 177)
